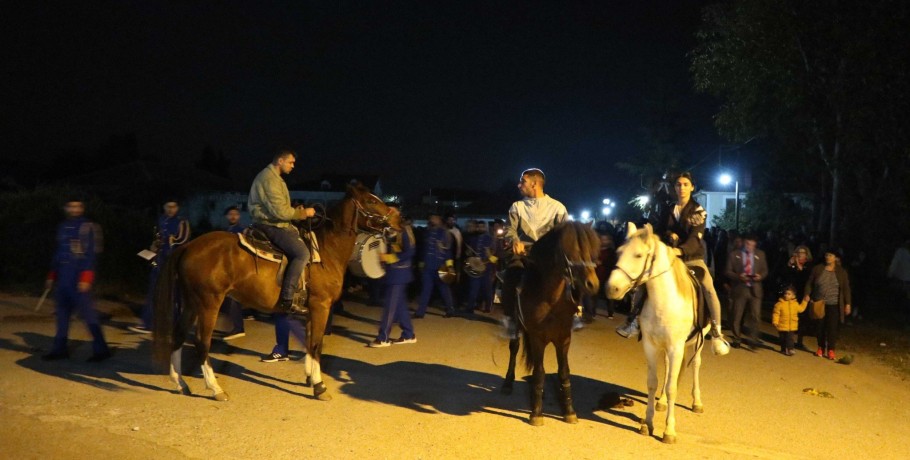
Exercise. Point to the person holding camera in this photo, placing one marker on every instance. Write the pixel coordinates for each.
(746, 269)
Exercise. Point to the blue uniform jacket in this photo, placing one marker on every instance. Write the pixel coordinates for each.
(437, 248)
(236, 228)
(481, 244)
(172, 231)
(401, 272)
(78, 240)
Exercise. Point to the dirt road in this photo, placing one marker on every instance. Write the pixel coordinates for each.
(438, 398)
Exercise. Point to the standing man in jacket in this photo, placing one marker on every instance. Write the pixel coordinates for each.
(746, 269)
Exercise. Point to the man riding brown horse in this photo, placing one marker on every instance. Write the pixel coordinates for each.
(272, 213)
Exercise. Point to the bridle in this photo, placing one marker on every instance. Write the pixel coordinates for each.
(569, 275)
(648, 268)
(375, 223)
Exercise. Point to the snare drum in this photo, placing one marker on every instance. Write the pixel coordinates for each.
(366, 261)
(474, 266)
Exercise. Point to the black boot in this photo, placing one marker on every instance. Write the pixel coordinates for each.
(288, 306)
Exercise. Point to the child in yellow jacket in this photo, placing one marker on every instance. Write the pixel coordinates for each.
(786, 318)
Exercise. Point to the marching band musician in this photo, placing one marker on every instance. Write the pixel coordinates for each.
(73, 269)
(529, 219)
(172, 231)
(437, 254)
(479, 243)
(398, 274)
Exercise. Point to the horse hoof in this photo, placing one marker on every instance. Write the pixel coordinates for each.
(698, 409)
(644, 430)
(185, 391)
(221, 396)
(570, 419)
(536, 420)
(669, 439)
(321, 392)
(660, 407)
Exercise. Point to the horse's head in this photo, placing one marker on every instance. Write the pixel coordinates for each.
(579, 250)
(371, 214)
(635, 261)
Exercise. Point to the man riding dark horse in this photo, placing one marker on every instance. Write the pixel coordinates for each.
(529, 219)
(272, 213)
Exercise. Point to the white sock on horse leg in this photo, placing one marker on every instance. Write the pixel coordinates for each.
(209, 374)
(176, 368)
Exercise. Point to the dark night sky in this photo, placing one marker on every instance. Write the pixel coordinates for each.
(428, 94)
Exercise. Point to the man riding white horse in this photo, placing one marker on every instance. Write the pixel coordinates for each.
(683, 228)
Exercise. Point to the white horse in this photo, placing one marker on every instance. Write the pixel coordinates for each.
(667, 321)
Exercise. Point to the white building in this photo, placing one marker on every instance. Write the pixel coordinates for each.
(716, 202)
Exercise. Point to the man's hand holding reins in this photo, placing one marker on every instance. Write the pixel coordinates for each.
(518, 248)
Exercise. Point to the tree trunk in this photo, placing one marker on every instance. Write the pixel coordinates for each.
(835, 204)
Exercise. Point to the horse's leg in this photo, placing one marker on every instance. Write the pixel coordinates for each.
(677, 354)
(535, 351)
(661, 404)
(647, 424)
(562, 358)
(319, 318)
(510, 374)
(208, 314)
(176, 367)
(697, 405)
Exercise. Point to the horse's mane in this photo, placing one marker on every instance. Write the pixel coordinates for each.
(336, 211)
(571, 240)
(677, 267)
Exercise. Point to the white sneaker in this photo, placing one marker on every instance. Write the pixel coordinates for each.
(377, 344)
(139, 329)
(233, 336)
(720, 346)
(629, 329)
(402, 340)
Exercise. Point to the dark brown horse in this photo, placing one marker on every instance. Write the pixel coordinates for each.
(559, 268)
(199, 275)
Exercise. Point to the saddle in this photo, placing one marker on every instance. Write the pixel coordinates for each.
(257, 244)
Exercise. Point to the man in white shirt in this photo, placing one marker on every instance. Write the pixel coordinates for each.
(529, 219)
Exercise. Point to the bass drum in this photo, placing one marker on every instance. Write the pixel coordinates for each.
(366, 261)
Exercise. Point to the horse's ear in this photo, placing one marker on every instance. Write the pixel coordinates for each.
(630, 230)
(649, 230)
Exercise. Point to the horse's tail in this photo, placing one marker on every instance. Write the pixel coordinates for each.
(165, 302)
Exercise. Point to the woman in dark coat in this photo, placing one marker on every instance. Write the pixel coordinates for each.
(829, 282)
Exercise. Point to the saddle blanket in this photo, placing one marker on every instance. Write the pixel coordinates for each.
(278, 257)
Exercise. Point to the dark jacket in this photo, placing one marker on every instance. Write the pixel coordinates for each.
(736, 266)
(843, 290)
(398, 268)
(690, 228)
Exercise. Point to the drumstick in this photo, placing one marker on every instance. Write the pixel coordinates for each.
(42, 299)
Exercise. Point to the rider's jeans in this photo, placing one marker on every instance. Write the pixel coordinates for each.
(288, 240)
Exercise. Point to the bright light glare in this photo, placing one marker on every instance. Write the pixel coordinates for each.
(585, 215)
(571, 217)
(607, 211)
(606, 201)
(725, 179)
(643, 200)
(613, 204)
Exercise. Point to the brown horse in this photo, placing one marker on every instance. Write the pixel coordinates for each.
(559, 268)
(199, 275)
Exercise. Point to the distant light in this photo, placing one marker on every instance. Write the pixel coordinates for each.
(613, 204)
(605, 211)
(606, 201)
(725, 179)
(571, 217)
(585, 215)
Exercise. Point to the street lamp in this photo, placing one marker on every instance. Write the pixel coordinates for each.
(585, 215)
(725, 179)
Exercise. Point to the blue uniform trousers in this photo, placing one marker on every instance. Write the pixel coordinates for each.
(429, 279)
(395, 310)
(69, 300)
(148, 308)
(288, 240)
(284, 326)
(235, 313)
(482, 287)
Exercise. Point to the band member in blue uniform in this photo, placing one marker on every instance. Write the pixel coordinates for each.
(479, 243)
(398, 274)
(73, 269)
(172, 231)
(436, 254)
(233, 307)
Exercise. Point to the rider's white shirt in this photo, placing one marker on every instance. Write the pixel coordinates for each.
(532, 218)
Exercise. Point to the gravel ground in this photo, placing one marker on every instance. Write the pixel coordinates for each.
(438, 398)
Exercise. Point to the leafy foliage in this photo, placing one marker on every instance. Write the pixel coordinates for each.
(761, 211)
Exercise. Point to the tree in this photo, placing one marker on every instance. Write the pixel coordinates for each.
(214, 162)
(824, 82)
(764, 210)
